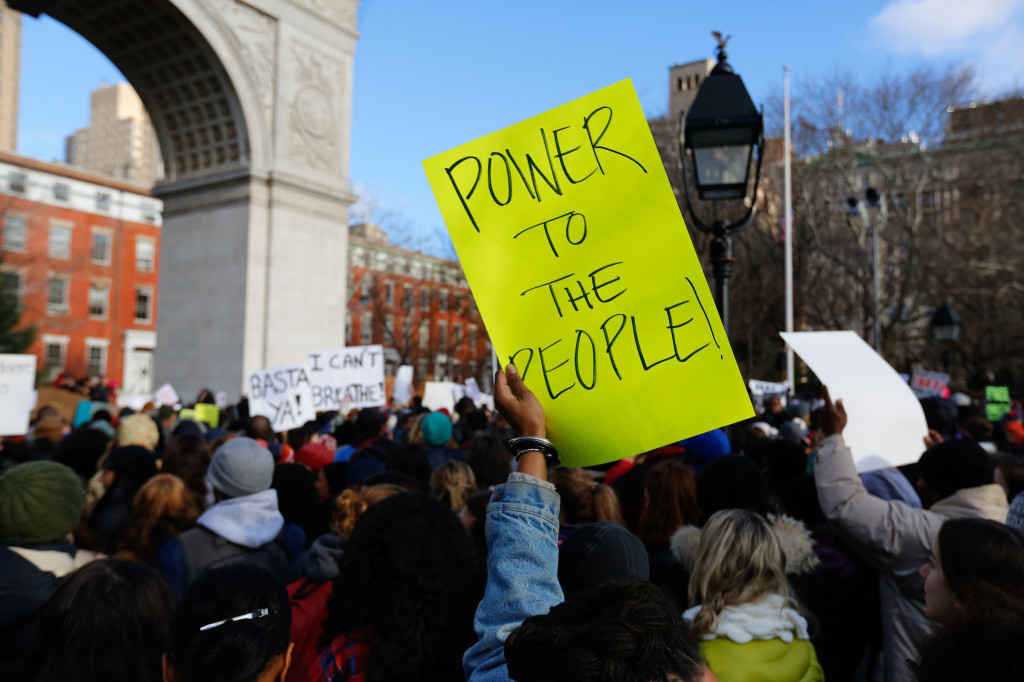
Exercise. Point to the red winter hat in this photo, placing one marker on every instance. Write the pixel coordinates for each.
(314, 455)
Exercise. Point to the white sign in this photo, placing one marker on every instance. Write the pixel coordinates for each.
(221, 399)
(136, 401)
(166, 395)
(402, 389)
(17, 385)
(473, 390)
(768, 388)
(439, 394)
(356, 373)
(283, 395)
(886, 424)
(929, 384)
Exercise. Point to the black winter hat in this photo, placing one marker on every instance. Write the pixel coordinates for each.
(598, 553)
(956, 464)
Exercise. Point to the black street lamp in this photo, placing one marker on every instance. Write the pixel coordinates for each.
(946, 324)
(719, 134)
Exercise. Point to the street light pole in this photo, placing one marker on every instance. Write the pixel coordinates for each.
(721, 267)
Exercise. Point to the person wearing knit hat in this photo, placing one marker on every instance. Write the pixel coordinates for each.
(138, 429)
(40, 504)
(244, 525)
(314, 456)
(956, 481)
(436, 428)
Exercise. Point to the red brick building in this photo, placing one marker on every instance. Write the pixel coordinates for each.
(418, 307)
(82, 250)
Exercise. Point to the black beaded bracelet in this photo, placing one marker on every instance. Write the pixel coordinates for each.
(524, 444)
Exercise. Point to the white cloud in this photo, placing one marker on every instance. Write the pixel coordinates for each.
(936, 28)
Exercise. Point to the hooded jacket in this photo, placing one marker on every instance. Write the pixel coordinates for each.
(250, 526)
(897, 540)
(797, 545)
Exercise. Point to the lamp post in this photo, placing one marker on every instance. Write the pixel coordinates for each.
(946, 324)
(720, 134)
(875, 205)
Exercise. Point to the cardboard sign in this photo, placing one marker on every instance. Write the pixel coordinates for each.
(886, 423)
(402, 390)
(17, 388)
(768, 388)
(208, 413)
(166, 395)
(356, 373)
(997, 402)
(929, 384)
(283, 395)
(574, 247)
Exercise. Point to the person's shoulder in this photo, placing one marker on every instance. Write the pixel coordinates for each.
(771, 660)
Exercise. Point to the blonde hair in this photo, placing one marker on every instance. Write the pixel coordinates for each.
(350, 505)
(739, 561)
(452, 483)
(584, 500)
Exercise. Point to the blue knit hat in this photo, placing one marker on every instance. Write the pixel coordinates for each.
(437, 429)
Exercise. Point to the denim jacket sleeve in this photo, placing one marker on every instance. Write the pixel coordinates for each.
(522, 570)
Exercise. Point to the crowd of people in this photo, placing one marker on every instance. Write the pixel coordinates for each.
(399, 543)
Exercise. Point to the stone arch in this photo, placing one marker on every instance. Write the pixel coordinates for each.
(251, 103)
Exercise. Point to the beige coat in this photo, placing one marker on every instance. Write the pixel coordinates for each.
(897, 539)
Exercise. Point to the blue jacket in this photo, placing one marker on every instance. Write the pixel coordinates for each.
(522, 570)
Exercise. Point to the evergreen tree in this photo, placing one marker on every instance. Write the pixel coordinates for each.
(12, 340)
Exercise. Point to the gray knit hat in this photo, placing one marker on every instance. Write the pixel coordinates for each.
(241, 467)
(39, 502)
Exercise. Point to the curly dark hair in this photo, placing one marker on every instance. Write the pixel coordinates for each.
(628, 632)
(409, 579)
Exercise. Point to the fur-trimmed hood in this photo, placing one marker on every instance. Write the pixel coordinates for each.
(797, 545)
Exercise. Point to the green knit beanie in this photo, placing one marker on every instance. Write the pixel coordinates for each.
(39, 502)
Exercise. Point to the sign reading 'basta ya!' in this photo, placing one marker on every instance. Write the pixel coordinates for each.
(571, 239)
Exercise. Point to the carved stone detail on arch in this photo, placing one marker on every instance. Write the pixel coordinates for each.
(255, 37)
(313, 110)
(341, 12)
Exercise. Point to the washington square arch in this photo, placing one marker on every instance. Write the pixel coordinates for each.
(251, 102)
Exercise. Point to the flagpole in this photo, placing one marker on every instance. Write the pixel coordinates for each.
(790, 373)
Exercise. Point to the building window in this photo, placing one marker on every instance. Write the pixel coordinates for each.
(61, 192)
(149, 213)
(60, 241)
(57, 296)
(17, 182)
(101, 247)
(406, 297)
(442, 334)
(102, 201)
(458, 339)
(472, 337)
(457, 370)
(421, 368)
(442, 301)
(143, 304)
(12, 283)
(145, 255)
(96, 359)
(389, 293)
(406, 332)
(55, 352)
(424, 333)
(366, 328)
(99, 299)
(389, 325)
(424, 299)
(15, 233)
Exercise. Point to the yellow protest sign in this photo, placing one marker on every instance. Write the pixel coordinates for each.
(575, 250)
(208, 413)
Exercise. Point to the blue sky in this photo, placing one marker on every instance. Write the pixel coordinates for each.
(430, 76)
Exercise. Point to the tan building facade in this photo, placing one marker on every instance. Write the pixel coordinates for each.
(10, 62)
(120, 140)
(683, 82)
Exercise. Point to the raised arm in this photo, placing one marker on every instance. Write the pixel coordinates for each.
(889, 534)
(522, 539)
